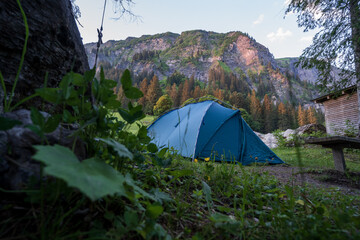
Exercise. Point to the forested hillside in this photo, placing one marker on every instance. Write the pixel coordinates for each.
(231, 67)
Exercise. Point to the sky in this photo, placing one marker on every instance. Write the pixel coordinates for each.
(262, 19)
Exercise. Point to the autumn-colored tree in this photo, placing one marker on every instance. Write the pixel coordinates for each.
(154, 92)
(163, 104)
(268, 114)
(197, 92)
(255, 106)
(311, 116)
(219, 94)
(301, 116)
(173, 93)
(143, 89)
(185, 94)
(179, 94)
(283, 121)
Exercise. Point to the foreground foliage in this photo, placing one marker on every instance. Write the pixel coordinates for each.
(130, 189)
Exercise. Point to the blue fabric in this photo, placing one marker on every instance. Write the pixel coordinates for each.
(207, 129)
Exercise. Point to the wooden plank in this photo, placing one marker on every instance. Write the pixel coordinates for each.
(330, 142)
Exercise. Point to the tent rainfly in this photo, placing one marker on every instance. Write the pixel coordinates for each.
(207, 129)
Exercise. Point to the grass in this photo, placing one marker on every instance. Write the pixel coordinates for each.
(318, 157)
(133, 128)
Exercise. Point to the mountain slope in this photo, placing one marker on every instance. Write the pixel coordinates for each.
(196, 53)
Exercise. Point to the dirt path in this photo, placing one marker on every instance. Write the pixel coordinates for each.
(347, 182)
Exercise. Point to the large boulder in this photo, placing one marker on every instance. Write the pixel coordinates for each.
(16, 150)
(311, 128)
(54, 46)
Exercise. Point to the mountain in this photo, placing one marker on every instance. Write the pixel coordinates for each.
(196, 53)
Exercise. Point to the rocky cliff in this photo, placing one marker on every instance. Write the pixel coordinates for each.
(195, 53)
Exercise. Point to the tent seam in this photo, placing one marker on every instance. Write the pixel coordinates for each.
(197, 135)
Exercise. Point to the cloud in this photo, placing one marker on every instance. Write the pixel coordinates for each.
(279, 35)
(306, 39)
(259, 20)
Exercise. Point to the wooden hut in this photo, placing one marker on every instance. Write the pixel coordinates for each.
(341, 110)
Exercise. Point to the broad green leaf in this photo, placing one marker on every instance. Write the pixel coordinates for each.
(52, 123)
(92, 177)
(65, 85)
(161, 196)
(131, 219)
(121, 150)
(37, 118)
(78, 80)
(126, 80)
(7, 123)
(133, 93)
(109, 83)
(126, 116)
(113, 104)
(89, 75)
(151, 147)
(36, 129)
(163, 152)
(207, 191)
(52, 95)
(154, 211)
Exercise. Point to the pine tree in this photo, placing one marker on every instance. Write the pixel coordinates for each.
(174, 95)
(154, 92)
(197, 92)
(268, 114)
(185, 95)
(143, 89)
(179, 94)
(283, 121)
(301, 116)
(256, 111)
(311, 116)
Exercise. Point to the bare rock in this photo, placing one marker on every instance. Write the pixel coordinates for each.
(310, 128)
(16, 163)
(269, 139)
(54, 45)
(287, 134)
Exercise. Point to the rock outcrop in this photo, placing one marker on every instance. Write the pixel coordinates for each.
(54, 45)
(195, 53)
(16, 165)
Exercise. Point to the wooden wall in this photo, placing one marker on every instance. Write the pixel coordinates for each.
(338, 111)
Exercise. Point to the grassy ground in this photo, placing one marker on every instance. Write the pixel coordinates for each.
(318, 157)
(133, 128)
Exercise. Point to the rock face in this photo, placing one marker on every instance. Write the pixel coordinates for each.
(54, 46)
(16, 165)
(195, 53)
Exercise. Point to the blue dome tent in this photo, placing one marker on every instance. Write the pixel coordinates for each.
(207, 129)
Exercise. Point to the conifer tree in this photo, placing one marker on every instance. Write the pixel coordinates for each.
(185, 95)
(197, 92)
(283, 121)
(174, 95)
(268, 114)
(311, 116)
(179, 94)
(301, 116)
(154, 92)
(143, 89)
(255, 106)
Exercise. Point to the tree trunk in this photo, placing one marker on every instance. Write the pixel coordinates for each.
(355, 35)
(54, 46)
